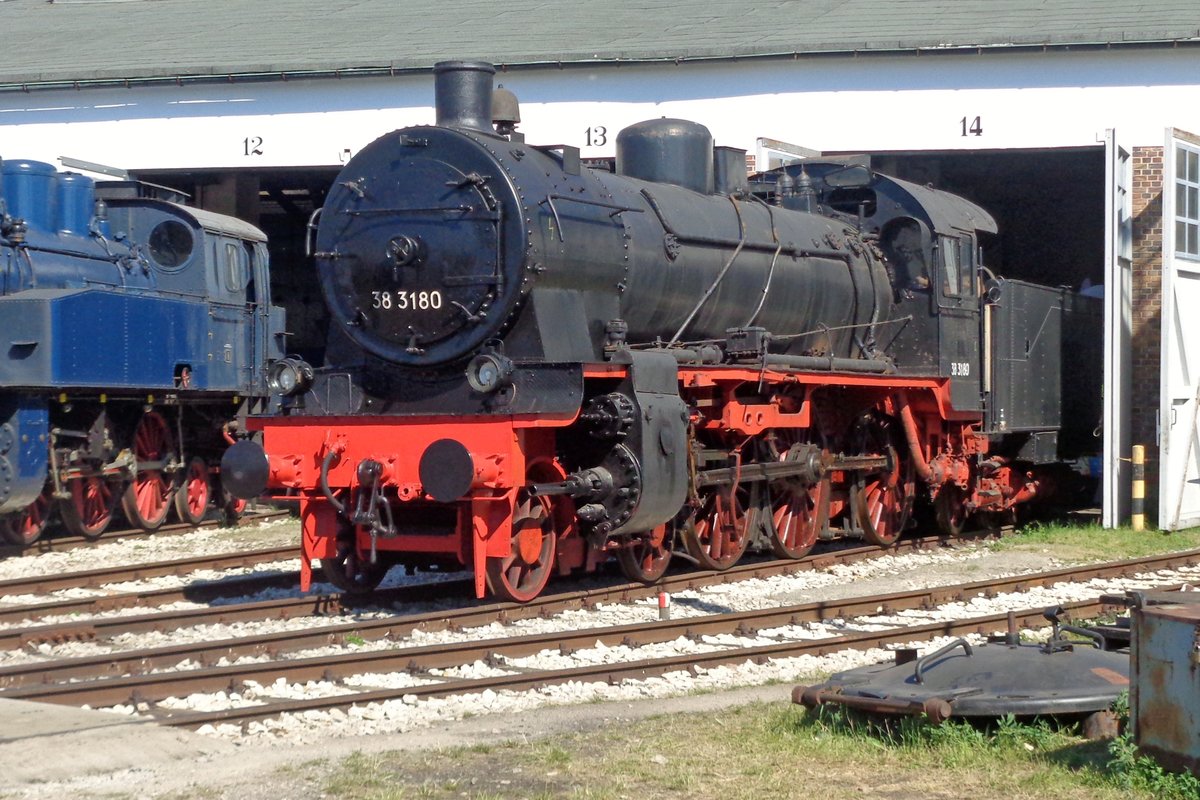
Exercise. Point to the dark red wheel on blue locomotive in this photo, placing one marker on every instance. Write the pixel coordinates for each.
(89, 510)
(27, 527)
(148, 497)
(193, 496)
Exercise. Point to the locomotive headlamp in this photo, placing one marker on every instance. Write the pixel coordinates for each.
(289, 376)
(489, 372)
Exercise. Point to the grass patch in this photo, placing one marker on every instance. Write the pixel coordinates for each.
(773, 751)
(1079, 542)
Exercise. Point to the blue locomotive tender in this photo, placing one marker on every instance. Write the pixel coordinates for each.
(135, 331)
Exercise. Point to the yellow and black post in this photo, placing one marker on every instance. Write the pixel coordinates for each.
(1138, 506)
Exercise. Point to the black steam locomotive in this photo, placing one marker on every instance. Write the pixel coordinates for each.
(534, 365)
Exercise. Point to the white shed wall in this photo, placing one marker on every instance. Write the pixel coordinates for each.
(843, 103)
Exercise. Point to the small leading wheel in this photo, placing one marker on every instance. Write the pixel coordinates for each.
(232, 508)
(148, 497)
(350, 573)
(191, 501)
(950, 510)
(795, 522)
(26, 527)
(883, 502)
(645, 557)
(89, 510)
(719, 532)
(523, 573)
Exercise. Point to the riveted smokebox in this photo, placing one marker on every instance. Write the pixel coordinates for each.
(463, 94)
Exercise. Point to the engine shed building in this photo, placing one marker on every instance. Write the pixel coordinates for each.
(1067, 119)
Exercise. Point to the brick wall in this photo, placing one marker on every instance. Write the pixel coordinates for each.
(1147, 305)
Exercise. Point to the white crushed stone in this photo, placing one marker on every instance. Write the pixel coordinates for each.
(409, 712)
(890, 573)
(146, 549)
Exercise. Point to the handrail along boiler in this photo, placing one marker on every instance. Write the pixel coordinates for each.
(534, 365)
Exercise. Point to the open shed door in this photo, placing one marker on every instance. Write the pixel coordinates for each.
(1118, 329)
(1179, 447)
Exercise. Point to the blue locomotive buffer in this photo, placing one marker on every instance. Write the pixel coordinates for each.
(134, 329)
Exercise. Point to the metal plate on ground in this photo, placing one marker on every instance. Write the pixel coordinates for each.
(989, 680)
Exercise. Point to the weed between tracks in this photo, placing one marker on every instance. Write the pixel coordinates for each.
(765, 751)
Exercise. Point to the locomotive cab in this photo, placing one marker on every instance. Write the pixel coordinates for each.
(929, 241)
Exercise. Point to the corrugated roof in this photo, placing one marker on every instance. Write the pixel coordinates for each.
(66, 41)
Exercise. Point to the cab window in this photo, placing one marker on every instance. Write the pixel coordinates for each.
(904, 247)
(235, 267)
(171, 244)
(954, 255)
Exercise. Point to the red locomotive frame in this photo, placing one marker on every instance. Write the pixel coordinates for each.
(867, 442)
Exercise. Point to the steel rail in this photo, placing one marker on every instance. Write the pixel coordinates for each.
(95, 629)
(94, 578)
(279, 642)
(150, 688)
(634, 670)
(61, 544)
(200, 592)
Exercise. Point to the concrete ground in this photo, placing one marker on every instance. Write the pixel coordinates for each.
(40, 742)
(50, 751)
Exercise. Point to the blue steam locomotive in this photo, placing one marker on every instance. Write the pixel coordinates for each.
(136, 331)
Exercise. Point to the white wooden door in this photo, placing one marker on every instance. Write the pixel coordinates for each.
(1179, 420)
(1118, 329)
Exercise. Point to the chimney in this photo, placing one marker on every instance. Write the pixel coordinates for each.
(463, 94)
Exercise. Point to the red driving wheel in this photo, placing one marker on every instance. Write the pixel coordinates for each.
(148, 497)
(718, 534)
(646, 556)
(27, 527)
(192, 498)
(89, 510)
(523, 573)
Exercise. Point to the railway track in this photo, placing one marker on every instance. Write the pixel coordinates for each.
(61, 542)
(523, 680)
(308, 605)
(93, 578)
(77, 681)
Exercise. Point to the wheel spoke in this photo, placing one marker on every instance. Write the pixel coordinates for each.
(27, 527)
(883, 508)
